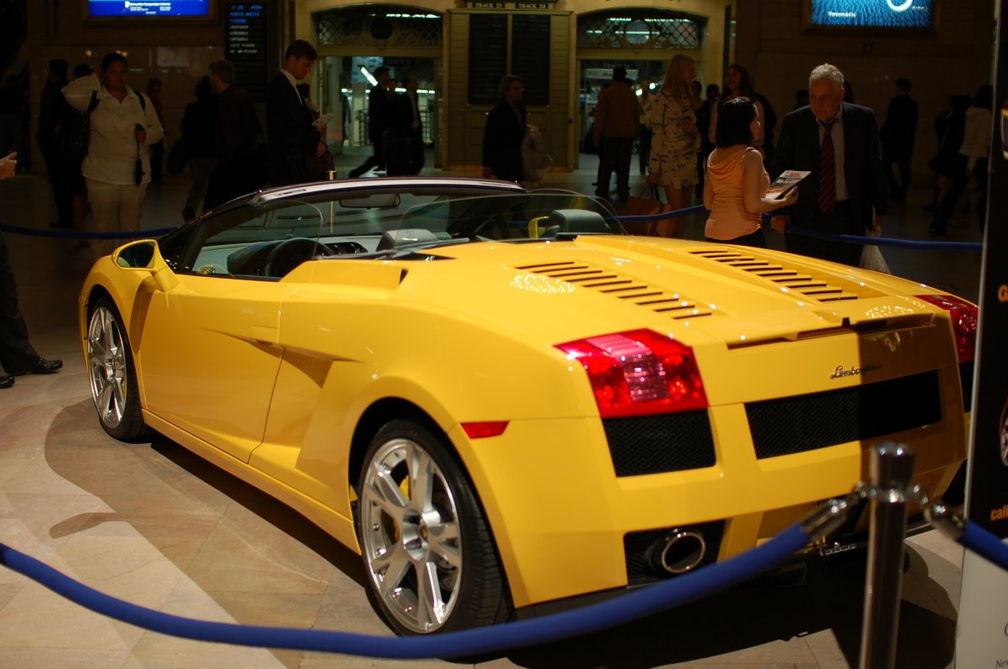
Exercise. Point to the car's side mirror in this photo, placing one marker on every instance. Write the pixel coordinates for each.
(143, 255)
(138, 255)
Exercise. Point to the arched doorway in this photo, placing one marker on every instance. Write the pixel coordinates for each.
(642, 41)
(353, 41)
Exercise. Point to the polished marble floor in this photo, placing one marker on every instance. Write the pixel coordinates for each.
(153, 525)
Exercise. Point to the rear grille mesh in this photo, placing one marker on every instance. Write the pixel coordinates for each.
(669, 442)
(809, 422)
(780, 275)
(620, 286)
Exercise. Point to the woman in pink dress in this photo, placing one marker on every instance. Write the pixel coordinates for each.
(736, 185)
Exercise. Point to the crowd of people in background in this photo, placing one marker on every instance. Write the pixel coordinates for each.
(677, 130)
(717, 144)
(674, 128)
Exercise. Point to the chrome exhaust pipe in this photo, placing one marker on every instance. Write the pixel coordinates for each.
(680, 551)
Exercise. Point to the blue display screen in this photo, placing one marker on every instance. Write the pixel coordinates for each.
(150, 8)
(872, 13)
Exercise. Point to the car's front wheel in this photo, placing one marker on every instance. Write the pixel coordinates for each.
(111, 373)
(430, 559)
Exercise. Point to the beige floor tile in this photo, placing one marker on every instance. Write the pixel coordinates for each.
(157, 651)
(828, 653)
(36, 617)
(62, 658)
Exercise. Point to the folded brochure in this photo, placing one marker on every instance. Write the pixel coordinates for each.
(787, 180)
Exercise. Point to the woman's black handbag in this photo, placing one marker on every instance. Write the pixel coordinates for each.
(138, 173)
(75, 135)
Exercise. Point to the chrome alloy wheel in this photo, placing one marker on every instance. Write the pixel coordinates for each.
(410, 535)
(107, 366)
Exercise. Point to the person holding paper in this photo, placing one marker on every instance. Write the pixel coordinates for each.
(293, 142)
(846, 192)
(736, 187)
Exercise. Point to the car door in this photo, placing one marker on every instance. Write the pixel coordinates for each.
(209, 355)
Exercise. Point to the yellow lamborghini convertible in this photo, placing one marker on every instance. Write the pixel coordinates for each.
(501, 400)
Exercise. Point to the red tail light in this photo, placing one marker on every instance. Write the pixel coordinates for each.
(964, 322)
(639, 372)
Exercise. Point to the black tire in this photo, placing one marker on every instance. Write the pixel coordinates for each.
(400, 543)
(111, 374)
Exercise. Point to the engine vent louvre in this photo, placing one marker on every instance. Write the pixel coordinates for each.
(780, 275)
(622, 287)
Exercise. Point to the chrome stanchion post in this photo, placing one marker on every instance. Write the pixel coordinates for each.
(891, 469)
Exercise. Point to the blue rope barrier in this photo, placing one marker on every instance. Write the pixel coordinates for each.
(638, 604)
(75, 234)
(829, 236)
(647, 218)
(985, 544)
(885, 241)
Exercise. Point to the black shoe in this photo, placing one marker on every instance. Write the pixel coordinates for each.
(61, 224)
(6, 380)
(937, 231)
(930, 207)
(40, 366)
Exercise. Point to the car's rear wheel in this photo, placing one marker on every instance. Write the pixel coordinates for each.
(111, 373)
(430, 560)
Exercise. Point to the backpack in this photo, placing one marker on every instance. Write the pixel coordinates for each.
(74, 136)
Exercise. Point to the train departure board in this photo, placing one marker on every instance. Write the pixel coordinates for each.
(245, 37)
(488, 45)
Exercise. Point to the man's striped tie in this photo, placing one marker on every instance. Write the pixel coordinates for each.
(827, 170)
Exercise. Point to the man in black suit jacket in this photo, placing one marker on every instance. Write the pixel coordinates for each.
(860, 184)
(898, 134)
(380, 120)
(505, 129)
(409, 124)
(293, 141)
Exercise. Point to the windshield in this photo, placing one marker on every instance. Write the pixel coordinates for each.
(270, 239)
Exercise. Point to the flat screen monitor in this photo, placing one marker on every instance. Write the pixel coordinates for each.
(876, 16)
(194, 10)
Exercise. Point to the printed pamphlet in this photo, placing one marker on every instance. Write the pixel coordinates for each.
(785, 182)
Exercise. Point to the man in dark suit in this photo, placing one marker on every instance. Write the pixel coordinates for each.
(409, 124)
(897, 134)
(840, 193)
(54, 111)
(293, 140)
(17, 356)
(505, 129)
(380, 118)
(236, 130)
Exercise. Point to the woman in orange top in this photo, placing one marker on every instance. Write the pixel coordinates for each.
(736, 185)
